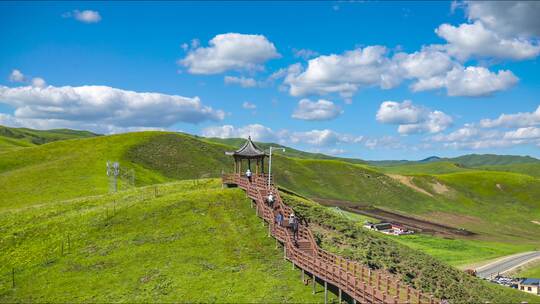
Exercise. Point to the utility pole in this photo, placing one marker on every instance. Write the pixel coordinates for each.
(270, 164)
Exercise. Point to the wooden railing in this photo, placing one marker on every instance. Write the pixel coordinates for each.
(361, 283)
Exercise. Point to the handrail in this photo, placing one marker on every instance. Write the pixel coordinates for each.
(359, 281)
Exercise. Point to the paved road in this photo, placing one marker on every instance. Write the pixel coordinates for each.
(506, 264)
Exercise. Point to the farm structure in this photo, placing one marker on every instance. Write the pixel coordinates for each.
(530, 285)
(388, 228)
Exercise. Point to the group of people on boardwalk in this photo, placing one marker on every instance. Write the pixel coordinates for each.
(292, 221)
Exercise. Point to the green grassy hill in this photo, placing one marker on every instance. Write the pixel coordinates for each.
(8, 144)
(38, 137)
(468, 161)
(194, 242)
(532, 169)
(468, 198)
(477, 160)
(343, 236)
(498, 206)
(35, 182)
(423, 168)
(66, 169)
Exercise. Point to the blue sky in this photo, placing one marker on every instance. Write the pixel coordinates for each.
(374, 80)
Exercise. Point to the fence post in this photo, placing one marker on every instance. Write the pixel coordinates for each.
(13, 277)
(62, 251)
(325, 292)
(313, 274)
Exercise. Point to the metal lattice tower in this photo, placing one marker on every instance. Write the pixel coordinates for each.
(115, 171)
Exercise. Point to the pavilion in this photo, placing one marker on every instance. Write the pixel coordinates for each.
(250, 152)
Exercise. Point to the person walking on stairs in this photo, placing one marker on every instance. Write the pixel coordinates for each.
(279, 218)
(293, 224)
(270, 199)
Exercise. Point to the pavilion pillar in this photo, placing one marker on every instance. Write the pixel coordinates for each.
(257, 166)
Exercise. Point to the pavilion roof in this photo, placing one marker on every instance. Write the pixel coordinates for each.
(248, 150)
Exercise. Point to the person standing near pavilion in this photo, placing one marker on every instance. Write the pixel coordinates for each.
(248, 174)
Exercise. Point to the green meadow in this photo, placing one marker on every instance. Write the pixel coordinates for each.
(192, 242)
(51, 185)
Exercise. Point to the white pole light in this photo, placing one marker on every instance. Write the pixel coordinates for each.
(270, 163)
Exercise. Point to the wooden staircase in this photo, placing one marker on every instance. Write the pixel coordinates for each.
(361, 283)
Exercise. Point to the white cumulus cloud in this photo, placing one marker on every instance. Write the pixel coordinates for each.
(38, 82)
(412, 118)
(16, 76)
(509, 18)
(244, 82)
(523, 133)
(316, 138)
(470, 81)
(344, 74)
(249, 106)
(103, 105)
(475, 40)
(521, 119)
(86, 16)
(319, 110)
(230, 51)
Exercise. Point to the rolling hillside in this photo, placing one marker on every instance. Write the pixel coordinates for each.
(64, 183)
(500, 207)
(465, 161)
(194, 242)
(467, 198)
(38, 137)
(8, 144)
(343, 236)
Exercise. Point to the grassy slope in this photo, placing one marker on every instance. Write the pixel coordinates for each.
(341, 235)
(423, 168)
(532, 169)
(66, 169)
(477, 160)
(38, 175)
(497, 202)
(8, 144)
(39, 137)
(470, 160)
(533, 272)
(35, 176)
(193, 243)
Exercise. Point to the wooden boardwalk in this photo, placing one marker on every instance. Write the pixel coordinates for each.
(360, 283)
